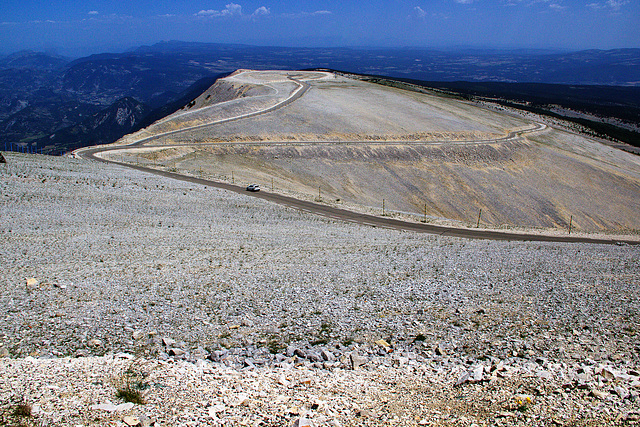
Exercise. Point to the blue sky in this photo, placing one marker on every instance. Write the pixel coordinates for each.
(80, 28)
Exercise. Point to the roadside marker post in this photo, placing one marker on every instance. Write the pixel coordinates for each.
(570, 223)
(479, 215)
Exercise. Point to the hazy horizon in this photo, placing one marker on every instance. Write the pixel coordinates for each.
(453, 48)
(109, 26)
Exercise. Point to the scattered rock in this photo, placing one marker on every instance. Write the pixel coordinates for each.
(303, 422)
(383, 343)
(32, 283)
(123, 355)
(357, 361)
(240, 400)
(176, 352)
(214, 410)
(328, 356)
(622, 392)
(145, 421)
(199, 353)
(477, 373)
(599, 394)
(463, 378)
(506, 414)
(131, 421)
(545, 375)
(283, 381)
(400, 361)
(364, 413)
(607, 373)
(2, 159)
(314, 357)
(110, 407)
(473, 375)
(503, 337)
(168, 342)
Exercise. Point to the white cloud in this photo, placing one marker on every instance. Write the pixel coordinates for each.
(610, 5)
(209, 12)
(232, 9)
(556, 6)
(306, 14)
(616, 4)
(261, 11)
(93, 12)
(419, 12)
(464, 1)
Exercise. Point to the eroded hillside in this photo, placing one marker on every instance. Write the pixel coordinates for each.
(354, 142)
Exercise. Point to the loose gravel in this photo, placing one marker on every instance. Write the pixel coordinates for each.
(222, 309)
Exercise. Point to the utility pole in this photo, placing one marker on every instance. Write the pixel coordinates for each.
(382, 207)
(479, 215)
(570, 223)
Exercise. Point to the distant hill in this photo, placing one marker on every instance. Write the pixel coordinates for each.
(33, 60)
(103, 127)
(41, 94)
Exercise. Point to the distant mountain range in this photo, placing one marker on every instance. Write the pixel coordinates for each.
(52, 104)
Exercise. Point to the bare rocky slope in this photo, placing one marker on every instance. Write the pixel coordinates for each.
(136, 300)
(221, 309)
(423, 154)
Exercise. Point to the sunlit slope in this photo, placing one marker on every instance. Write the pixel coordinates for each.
(354, 142)
(333, 108)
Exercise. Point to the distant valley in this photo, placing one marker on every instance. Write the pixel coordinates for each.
(52, 105)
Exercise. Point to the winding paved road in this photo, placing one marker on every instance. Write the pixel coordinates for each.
(360, 218)
(342, 214)
(304, 86)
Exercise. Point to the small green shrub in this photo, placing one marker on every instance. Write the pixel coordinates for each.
(275, 346)
(22, 410)
(130, 384)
